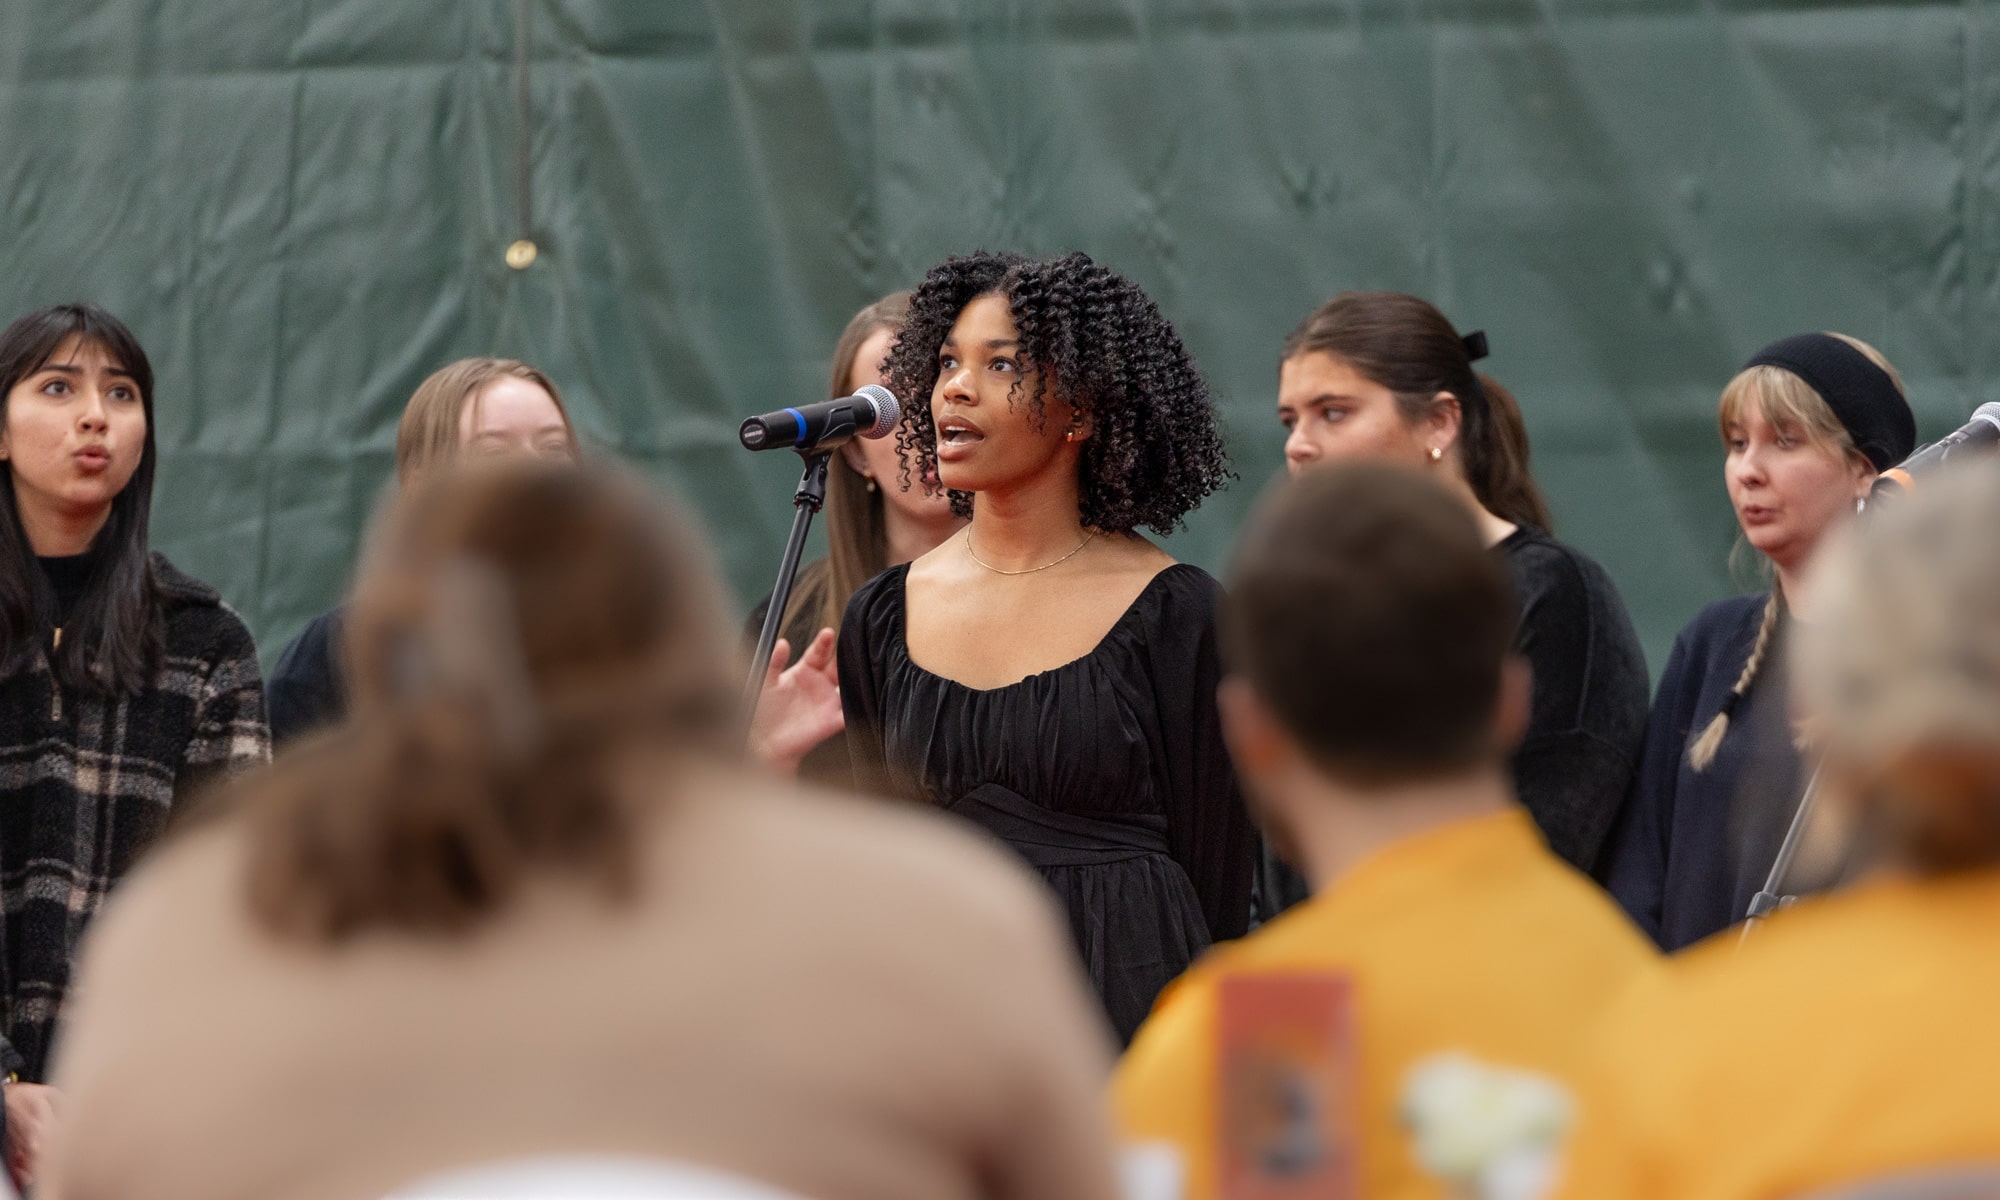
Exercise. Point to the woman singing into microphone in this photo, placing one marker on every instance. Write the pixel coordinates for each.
(1047, 673)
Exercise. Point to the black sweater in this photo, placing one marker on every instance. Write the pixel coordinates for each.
(1693, 847)
(307, 688)
(1588, 716)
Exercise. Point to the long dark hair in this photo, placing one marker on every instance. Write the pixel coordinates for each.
(1405, 344)
(112, 641)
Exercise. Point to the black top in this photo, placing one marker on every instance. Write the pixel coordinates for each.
(1693, 847)
(1588, 716)
(1108, 774)
(67, 576)
(307, 689)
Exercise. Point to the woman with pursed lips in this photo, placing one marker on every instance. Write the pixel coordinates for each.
(1047, 673)
(1806, 425)
(126, 687)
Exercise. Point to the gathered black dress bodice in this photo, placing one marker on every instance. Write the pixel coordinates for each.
(1107, 774)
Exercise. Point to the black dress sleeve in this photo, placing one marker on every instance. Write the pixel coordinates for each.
(1209, 832)
(1634, 869)
(1588, 715)
(872, 617)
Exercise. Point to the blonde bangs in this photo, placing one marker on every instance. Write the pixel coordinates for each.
(1785, 402)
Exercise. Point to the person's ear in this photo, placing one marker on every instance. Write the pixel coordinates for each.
(1079, 427)
(1514, 705)
(1442, 424)
(1257, 742)
(1865, 476)
(855, 458)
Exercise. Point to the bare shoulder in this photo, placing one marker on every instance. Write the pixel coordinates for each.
(951, 548)
(1134, 552)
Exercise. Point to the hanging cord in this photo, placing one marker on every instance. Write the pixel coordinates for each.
(522, 253)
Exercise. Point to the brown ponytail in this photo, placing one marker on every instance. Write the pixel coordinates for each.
(1511, 493)
(1405, 344)
(1702, 752)
(519, 639)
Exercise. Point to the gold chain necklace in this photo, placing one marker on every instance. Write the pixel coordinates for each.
(1031, 570)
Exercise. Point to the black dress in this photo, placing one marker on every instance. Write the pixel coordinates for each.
(1107, 774)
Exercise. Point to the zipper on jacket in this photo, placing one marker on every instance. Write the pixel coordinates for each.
(55, 685)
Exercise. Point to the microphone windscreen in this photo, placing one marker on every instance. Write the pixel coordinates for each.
(887, 409)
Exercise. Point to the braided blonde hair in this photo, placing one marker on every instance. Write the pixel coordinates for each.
(1703, 751)
(1787, 402)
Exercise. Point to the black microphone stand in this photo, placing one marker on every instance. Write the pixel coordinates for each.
(1771, 899)
(807, 499)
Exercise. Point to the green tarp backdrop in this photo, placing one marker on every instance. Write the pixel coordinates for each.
(302, 207)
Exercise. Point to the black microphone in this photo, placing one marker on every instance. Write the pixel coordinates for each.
(870, 412)
(1983, 430)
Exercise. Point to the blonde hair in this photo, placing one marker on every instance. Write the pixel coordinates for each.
(1903, 659)
(427, 436)
(1784, 401)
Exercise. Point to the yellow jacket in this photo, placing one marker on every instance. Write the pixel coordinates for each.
(1853, 1039)
(1472, 938)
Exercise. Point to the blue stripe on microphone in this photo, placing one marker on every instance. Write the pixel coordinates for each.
(799, 417)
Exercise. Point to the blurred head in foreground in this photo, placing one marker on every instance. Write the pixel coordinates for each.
(1367, 635)
(531, 842)
(521, 635)
(1899, 674)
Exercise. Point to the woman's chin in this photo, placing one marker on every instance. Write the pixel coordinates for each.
(960, 480)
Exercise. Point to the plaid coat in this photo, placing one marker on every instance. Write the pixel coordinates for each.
(86, 784)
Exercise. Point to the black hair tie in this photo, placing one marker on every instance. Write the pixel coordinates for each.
(1475, 345)
(1730, 701)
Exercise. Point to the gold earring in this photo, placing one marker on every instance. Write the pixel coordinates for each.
(1437, 455)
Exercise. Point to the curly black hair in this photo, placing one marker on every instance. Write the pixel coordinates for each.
(1101, 344)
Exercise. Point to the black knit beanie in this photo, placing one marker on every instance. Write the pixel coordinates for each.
(1864, 399)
